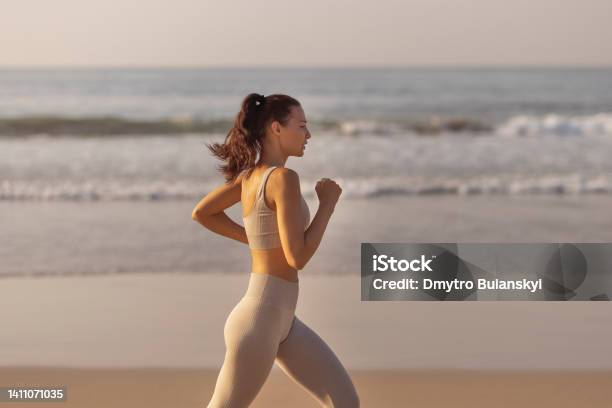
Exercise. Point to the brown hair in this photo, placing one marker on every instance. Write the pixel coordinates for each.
(244, 141)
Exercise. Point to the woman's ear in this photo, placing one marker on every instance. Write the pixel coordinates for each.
(275, 127)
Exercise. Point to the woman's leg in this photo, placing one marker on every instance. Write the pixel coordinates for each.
(251, 338)
(309, 361)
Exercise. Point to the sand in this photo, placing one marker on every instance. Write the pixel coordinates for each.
(192, 388)
(176, 320)
(165, 328)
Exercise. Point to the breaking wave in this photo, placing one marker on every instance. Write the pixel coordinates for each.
(520, 125)
(559, 125)
(352, 188)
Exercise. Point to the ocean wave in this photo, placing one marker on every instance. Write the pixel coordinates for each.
(548, 185)
(427, 126)
(96, 191)
(558, 125)
(108, 126)
(182, 124)
(352, 189)
(520, 125)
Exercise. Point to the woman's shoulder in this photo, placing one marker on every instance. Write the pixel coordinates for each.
(285, 178)
(285, 174)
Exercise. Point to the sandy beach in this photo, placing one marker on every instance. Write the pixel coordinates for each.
(156, 338)
(176, 320)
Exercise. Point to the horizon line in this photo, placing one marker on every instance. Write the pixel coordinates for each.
(300, 67)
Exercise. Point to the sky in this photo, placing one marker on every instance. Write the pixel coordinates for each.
(314, 33)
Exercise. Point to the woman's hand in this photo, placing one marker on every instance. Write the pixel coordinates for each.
(328, 191)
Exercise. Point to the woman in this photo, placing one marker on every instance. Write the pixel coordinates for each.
(262, 328)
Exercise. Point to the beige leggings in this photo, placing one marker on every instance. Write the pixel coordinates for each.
(261, 329)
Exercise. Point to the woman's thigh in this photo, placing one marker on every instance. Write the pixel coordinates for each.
(308, 360)
(252, 333)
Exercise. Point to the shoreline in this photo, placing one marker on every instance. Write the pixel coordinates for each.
(118, 237)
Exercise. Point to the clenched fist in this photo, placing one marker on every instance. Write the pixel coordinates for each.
(328, 191)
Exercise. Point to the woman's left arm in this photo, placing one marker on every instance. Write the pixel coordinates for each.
(210, 211)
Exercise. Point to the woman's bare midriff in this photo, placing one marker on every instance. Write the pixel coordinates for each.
(268, 261)
(273, 262)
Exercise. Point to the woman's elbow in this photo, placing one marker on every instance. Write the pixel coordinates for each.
(295, 262)
(199, 216)
(195, 215)
(296, 265)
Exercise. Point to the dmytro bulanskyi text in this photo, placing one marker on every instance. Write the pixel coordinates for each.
(385, 263)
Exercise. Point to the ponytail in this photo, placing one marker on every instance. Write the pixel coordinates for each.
(244, 141)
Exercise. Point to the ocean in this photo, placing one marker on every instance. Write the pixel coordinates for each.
(140, 134)
(100, 168)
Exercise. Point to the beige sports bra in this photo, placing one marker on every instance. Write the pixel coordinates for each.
(261, 225)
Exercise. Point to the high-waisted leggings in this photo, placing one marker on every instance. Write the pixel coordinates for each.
(263, 329)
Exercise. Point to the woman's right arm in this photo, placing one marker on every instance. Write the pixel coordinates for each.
(299, 245)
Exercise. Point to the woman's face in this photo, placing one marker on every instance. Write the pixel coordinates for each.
(294, 136)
